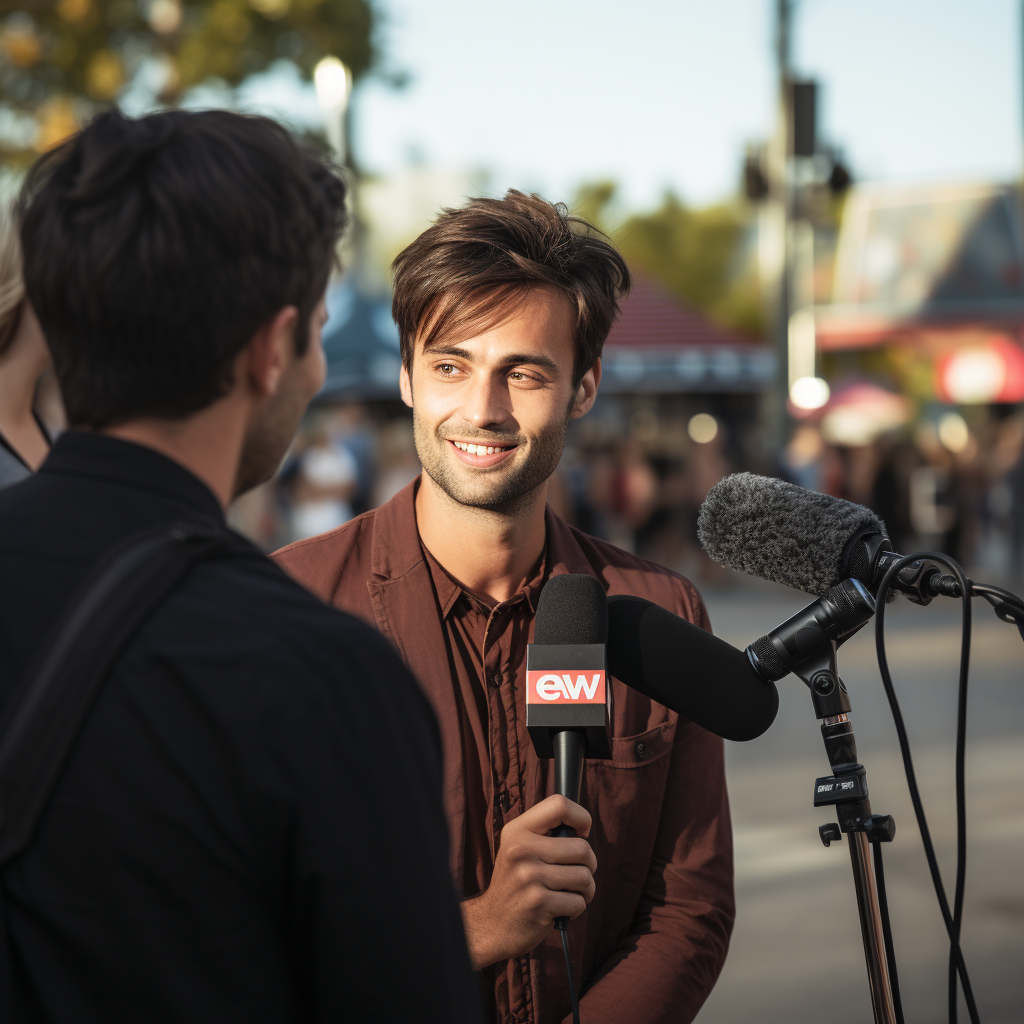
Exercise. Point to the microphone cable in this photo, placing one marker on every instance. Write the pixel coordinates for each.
(952, 921)
(568, 971)
(890, 949)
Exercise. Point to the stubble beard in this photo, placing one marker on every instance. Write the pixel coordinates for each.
(268, 440)
(504, 490)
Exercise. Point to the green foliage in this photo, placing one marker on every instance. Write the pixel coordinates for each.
(698, 254)
(62, 59)
(593, 202)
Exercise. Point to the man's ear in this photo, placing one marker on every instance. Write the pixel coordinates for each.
(270, 351)
(586, 393)
(405, 385)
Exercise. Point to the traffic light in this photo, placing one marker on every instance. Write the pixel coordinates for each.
(803, 113)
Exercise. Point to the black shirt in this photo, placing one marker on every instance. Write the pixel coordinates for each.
(250, 826)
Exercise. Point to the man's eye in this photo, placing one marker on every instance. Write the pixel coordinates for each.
(447, 368)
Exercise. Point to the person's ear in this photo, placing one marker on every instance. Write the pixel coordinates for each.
(405, 385)
(270, 351)
(586, 393)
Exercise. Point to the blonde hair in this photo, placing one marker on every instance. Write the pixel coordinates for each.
(12, 284)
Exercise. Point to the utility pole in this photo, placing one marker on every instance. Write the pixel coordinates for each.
(774, 241)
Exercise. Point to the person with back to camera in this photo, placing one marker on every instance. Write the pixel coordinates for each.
(503, 307)
(24, 439)
(249, 827)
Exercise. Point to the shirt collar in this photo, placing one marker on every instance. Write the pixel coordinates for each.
(397, 550)
(449, 589)
(99, 456)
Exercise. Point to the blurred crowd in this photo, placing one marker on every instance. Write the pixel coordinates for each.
(635, 473)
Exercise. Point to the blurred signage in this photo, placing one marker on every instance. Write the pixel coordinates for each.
(664, 370)
(928, 255)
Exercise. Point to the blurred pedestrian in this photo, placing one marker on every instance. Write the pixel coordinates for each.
(24, 357)
(322, 486)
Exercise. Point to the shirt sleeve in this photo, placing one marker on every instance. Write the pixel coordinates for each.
(352, 819)
(670, 958)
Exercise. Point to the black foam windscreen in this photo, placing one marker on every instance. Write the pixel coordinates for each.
(688, 670)
(572, 609)
(775, 530)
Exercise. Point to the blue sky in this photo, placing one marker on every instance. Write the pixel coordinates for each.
(545, 94)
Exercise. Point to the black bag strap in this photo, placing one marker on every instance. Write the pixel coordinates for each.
(45, 714)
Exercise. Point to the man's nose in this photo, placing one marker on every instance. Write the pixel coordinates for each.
(488, 405)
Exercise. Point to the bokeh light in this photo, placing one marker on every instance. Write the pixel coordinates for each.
(809, 392)
(702, 428)
(954, 434)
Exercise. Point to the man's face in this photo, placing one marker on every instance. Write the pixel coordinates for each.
(272, 430)
(490, 412)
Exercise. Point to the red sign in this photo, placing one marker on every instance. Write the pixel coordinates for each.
(545, 686)
(976, 374)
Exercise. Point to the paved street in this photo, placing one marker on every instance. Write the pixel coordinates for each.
(796, 952)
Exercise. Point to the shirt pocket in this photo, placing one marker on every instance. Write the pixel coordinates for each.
(624, 796)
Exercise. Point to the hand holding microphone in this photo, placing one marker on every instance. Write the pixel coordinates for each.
(544, 868)
(537, 878)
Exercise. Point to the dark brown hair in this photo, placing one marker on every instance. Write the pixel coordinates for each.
(155, 248)
(470, 269)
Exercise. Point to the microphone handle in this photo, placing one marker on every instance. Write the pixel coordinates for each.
(569, 747)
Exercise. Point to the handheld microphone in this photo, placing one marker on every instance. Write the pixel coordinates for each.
(689, 670)
(787, 534)
(568, 699)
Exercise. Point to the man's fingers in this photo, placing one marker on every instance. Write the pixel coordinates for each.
(567, 904)
(566, 851)
(559, 878)
(551, 812)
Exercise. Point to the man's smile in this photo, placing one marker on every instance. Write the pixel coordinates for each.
(473, 453)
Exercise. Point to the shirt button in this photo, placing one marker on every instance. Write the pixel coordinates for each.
(642, 750)
(504, 801)
(496, 679)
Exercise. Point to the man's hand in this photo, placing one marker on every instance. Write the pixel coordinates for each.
(536, 878)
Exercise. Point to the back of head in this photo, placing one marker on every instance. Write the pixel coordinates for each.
(468, 271)
(155, 248)
(12, 285)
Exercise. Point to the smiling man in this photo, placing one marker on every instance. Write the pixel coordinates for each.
(503, 307)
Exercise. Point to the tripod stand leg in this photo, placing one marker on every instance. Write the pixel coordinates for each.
(871, 929)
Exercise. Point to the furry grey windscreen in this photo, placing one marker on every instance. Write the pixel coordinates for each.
(780, 532)
(572, 609)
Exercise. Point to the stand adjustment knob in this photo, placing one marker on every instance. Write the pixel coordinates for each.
(880, 828)
(830, 833)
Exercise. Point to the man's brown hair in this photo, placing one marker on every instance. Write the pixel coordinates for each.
(470, 269)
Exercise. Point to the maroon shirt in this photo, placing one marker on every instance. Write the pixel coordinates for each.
(651, 944)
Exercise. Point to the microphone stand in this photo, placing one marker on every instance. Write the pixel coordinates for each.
(847, 789)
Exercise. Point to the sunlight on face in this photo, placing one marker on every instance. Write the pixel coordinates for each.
(491, 412)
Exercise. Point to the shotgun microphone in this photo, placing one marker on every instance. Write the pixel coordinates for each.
(568, 699)
(689, 670)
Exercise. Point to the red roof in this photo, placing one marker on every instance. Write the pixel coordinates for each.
(652, 316)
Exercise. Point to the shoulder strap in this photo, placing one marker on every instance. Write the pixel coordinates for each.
(54, 696)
